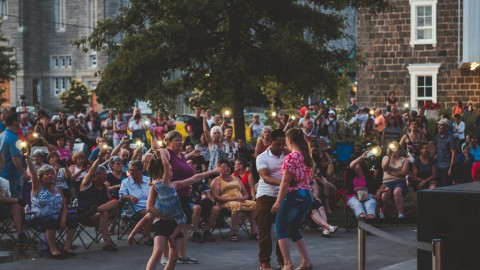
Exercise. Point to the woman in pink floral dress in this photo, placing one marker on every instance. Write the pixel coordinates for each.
(294, 198)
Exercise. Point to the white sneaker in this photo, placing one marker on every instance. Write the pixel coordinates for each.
(164, 261)
(332, 229)
(401, 215)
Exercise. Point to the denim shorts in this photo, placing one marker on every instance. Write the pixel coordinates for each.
(392, 185)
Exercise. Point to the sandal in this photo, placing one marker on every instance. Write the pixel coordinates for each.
(326, 233)
(254, 236)
(332, 229)
(234, 238)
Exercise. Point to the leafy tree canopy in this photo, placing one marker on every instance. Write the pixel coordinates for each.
(77, 97)
(231, 49)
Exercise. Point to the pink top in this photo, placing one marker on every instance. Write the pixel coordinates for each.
(358, 182)
(294, 164)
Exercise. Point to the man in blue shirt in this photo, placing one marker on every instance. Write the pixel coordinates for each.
(135, 189)
(13, 170)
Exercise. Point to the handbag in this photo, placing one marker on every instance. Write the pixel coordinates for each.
(362, 194)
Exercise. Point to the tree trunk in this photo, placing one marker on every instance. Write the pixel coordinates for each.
(238, 117)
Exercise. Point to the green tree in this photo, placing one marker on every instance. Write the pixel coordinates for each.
(77, 97)
(229, 48)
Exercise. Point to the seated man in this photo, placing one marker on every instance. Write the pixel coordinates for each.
(12, 207)
(203, 207)
(94, 204)
(230, 193)
(135, 189)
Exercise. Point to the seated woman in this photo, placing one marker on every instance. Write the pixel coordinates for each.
(462, 170)
(240, 171)
(318, 214)
(63, 175)
(49, 209)
(115, 176)
(357, 187)
(424, 169)
(230, 193)
(395, 168)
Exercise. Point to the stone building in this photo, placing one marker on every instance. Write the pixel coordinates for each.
(423, 50)
(41, 33)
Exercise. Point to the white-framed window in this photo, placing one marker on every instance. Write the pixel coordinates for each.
(4, 9)
(59, 85)
(60, 15)
(61, 61)
(423, 22)
(423, 84)
(92, 60)
(91, 15)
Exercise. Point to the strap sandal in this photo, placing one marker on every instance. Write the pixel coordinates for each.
(234, 238)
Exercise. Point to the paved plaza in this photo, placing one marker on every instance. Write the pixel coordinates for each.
(336, 253)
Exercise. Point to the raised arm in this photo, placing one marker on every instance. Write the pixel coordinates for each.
(36, 185)
(194, 179)
(49, 146)
(358, 160)
(91, 172)
(117, 148)
(206, 131)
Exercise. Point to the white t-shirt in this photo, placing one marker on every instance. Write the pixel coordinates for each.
(257, 129)
(4, 188)
(273, 164)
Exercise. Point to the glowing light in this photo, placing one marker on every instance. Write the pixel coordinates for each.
(393, 146)
(147, 123)
(375, 151)
(274, 114)
(371, 112)
(293, 117)
(138, 143)
(227, 113)
(405, 105)
(35, 134)
(474, 65)
(21, 144)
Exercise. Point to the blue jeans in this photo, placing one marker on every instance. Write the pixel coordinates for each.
(291, 214)
(367, 207)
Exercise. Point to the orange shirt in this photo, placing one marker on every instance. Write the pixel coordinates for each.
(380, 123)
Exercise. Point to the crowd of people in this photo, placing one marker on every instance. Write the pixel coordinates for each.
(175, 184)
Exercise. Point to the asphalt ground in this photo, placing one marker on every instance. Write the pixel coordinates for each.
(338, 252)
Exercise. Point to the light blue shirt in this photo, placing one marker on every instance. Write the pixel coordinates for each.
(130, 188)
(475, 152)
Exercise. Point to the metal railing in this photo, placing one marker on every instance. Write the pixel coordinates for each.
(434, 247)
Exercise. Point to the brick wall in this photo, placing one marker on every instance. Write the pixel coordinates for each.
(384, 42)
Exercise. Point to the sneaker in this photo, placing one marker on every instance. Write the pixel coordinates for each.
(401, 215)
(207, 236)
(23, 239)
(164, 261)
(187, 260)
(332, 229)
(197, 238)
